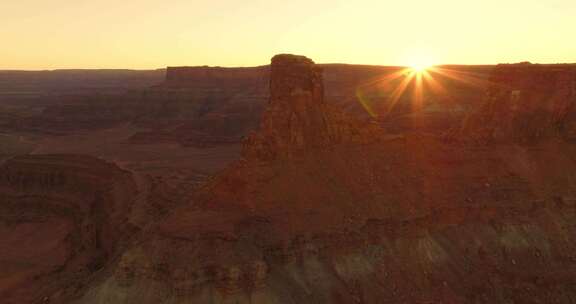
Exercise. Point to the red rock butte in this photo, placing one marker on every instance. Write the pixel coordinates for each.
(297, 117)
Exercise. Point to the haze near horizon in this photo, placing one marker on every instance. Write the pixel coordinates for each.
(153, 34)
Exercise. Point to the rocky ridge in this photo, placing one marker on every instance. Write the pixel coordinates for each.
(526, 103)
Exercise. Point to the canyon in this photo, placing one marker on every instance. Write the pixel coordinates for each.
(298, 183)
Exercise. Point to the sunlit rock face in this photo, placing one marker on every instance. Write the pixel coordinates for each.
(297, 117)
(526, 103)
(62, 217)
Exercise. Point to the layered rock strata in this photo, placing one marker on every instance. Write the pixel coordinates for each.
(62, 217)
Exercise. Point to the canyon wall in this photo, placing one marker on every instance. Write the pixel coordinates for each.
(63, 218)
(397, 219)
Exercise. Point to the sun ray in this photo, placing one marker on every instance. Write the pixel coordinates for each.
(417, 98)
(460, 76)
(418, 93)
(434, 84)
(419, 77)
(382, 79)
(398, 92)
(360, 91)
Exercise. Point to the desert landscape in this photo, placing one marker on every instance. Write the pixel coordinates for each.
(291, 183)
(287, 152)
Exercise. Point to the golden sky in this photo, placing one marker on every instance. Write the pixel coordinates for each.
(143, 34)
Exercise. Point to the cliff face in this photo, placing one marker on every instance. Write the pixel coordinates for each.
(526, 103)
(62, 217)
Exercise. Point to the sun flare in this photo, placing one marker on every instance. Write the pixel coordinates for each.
(419, 62)
(420, 67)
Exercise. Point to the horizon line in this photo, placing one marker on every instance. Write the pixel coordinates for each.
(257, 66)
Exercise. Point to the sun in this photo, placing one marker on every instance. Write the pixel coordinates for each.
(420, 67)
(419, 63)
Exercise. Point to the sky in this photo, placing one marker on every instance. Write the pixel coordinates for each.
(149, 34)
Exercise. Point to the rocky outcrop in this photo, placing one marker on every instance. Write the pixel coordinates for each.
(403, 219)
(298, 118)
(62, 217)
(525, 103)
